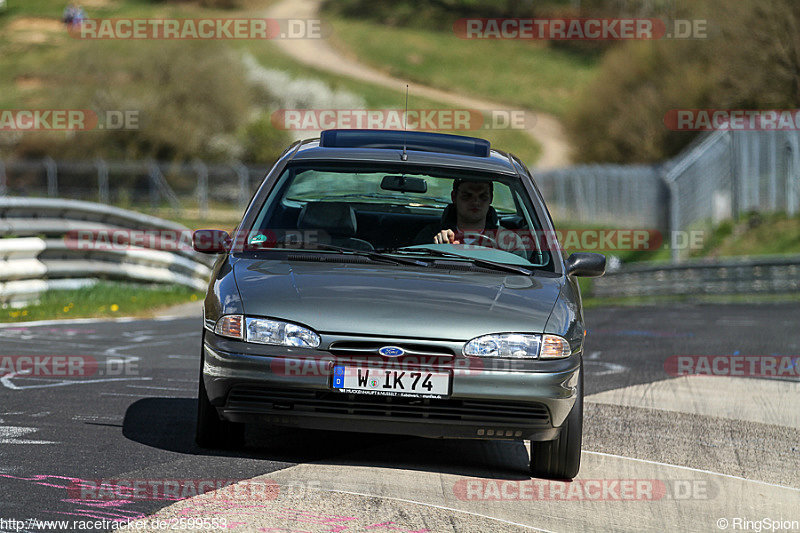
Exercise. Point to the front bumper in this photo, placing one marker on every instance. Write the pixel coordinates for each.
(292, 387)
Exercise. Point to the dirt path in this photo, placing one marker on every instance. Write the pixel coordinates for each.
(544, 128)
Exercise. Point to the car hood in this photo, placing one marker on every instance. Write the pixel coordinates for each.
(385, 300)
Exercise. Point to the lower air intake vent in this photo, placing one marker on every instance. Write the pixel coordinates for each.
(256, 399)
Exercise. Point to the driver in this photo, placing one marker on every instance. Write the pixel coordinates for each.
(475, 221)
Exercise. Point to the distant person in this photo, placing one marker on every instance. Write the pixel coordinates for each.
(69, 14)
(80, 16)
(74, 15)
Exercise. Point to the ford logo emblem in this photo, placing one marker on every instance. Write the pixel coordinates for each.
(391, 351)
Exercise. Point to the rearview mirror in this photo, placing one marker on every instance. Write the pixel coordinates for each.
(404, 184)
(211, 241)
(585, 264)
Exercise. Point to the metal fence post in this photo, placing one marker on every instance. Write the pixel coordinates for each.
(751, 178)
(594, 200)
(244, 183)
(102, 180)
(792, 176)
(52, 176)
(153, 180)
(159, 188)
(744, 174)
(674, 220)
(602, 194)
(202, 187)
(736, 171)
(3, 179)
(773, 171)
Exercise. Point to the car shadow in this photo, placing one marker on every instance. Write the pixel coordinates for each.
(169, 424)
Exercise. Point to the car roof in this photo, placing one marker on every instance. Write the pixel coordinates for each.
(382, 146)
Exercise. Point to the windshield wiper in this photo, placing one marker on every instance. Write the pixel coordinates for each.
(375, 256)
(494, 265)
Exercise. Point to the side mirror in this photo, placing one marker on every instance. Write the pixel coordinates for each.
(584, 264)
(211, 241)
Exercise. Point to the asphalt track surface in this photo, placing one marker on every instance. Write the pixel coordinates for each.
(697, 449)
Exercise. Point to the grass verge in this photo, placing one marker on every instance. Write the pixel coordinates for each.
(377, 97)
(754, 234)
(105, 299)
(34, 46)
(523, 73)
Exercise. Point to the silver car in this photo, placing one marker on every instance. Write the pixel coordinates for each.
(394, 282)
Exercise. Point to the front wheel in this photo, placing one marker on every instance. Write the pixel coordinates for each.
(561, 458)
(212, 431)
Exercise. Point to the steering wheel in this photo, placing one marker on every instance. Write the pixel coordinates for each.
(482, 238)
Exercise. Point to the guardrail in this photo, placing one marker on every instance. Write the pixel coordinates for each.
(41, 248)
(768, 274)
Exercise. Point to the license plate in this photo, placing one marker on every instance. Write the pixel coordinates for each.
(391, 382)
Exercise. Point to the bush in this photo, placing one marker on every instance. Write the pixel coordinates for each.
(749, 61)
(620, 115)
(191, 99)
(263, 142)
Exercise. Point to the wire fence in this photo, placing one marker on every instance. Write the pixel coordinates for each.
(729, 174)
(720, 176)
(616, 195)
(134, 183)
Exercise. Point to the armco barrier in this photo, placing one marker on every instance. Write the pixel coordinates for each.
(35, 254)
(769, 274)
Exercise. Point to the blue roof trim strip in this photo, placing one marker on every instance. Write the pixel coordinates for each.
(414, 140)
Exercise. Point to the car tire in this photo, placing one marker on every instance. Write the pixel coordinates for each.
(212, 431)
(561, 458)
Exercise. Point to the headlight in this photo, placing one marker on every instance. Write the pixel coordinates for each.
(504, 345)
(518, 345)
(266, 331)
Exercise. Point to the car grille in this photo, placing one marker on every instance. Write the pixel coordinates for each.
(370, 347)
(255, 399)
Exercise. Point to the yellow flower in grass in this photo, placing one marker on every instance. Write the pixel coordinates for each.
(66, 309)
(193, 298)
(114, 308)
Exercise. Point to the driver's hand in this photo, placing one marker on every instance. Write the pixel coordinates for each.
(446, 236)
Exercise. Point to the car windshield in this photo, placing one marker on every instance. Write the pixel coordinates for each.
(401, 211)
